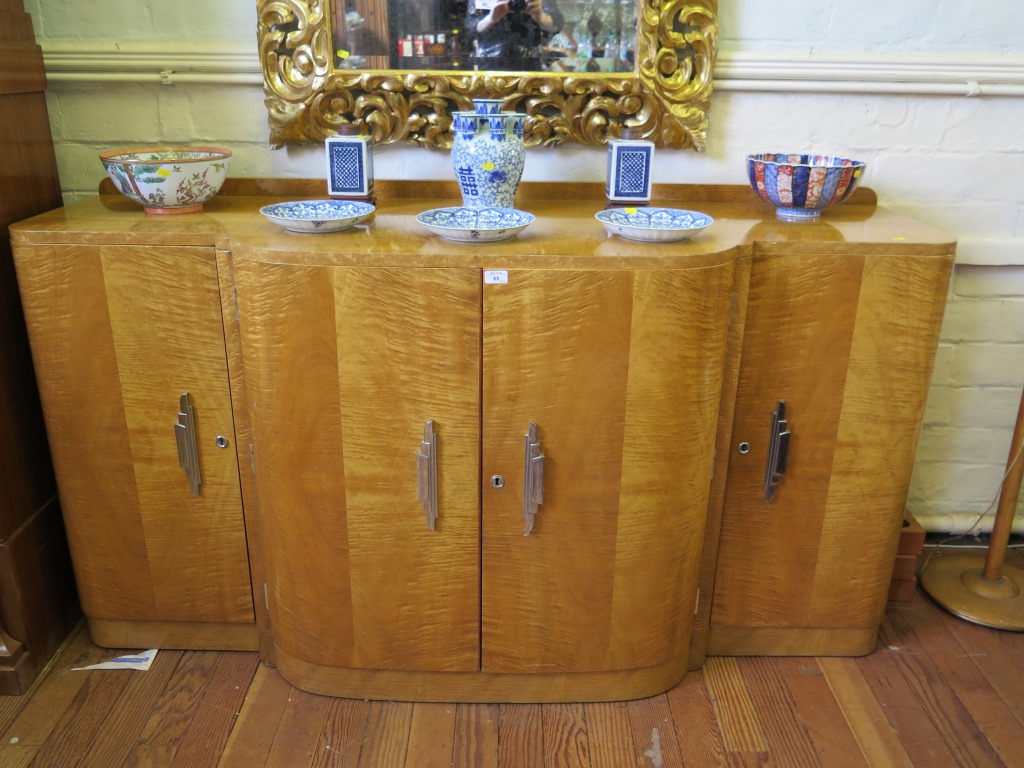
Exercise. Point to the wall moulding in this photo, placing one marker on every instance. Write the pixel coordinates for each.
(980, 75)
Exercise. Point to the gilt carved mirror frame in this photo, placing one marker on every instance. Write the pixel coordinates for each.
(666, 97)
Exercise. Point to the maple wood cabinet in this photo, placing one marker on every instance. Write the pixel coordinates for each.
(347, 364)
(534, 470)
(845, 340)
(119, 334)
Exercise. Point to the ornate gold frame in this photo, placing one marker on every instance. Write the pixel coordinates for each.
(667, 98)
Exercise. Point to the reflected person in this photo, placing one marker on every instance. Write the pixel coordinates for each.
(510, 34)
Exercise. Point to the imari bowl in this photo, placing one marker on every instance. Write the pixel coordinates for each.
(802, 186)
(318, 215)
(475, 225)
(168, 179)
(653, 224)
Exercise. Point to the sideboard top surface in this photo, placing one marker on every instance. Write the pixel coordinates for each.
(565, 233)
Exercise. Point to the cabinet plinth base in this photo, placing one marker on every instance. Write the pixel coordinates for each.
(184, 635)
(481, 687)
(792, 641)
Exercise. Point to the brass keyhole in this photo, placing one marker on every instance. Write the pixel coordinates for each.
(497, 481)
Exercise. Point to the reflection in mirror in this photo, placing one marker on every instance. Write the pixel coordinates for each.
(398, 69)
(486, 35)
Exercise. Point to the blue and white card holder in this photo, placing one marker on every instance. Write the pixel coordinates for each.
(629, 171)
(349, 166)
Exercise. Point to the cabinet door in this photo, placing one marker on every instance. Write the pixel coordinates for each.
(344, 366)
(621, 372)
(847, 342)
(118, 335)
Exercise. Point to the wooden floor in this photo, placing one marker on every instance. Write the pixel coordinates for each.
(938, 692)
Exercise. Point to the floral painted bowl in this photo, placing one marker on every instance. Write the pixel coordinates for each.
(802, 186)
(475, 225)
(168, 179)
(318, 215)
(653, 224)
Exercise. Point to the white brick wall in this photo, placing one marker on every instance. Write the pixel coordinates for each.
(972, 405)
(954, 161)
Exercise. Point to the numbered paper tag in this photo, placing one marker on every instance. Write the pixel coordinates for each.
(495, 276)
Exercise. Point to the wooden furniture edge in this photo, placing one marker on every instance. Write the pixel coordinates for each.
(945, 250)
(185, 635)
(481, 687)
(527, 190)
(243, 439)
(14, 667)
(21, 69)
(720, 471)
(791, 641)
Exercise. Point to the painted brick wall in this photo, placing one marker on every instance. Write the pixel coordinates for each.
(952, 160)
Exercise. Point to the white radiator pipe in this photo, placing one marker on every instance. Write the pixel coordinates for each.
(961, 522)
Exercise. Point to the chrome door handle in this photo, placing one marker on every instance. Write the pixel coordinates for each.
(426, 472)
(533, 479)
(188, 447)
(778, 451)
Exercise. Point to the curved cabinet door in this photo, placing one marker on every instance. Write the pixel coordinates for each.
(847, 342)
(118, 334)
(344, 366)
(621, 371)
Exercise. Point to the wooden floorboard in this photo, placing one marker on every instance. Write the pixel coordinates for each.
(938, 691)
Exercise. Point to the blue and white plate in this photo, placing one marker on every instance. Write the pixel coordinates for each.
(653, 224)
(318, 215)
(475, 225)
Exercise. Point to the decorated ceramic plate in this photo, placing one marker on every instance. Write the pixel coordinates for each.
(475, 225)
(653, 224)
(318, 215)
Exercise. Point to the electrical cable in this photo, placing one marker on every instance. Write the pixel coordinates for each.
(981, 516)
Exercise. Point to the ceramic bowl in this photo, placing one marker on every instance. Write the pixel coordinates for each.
(475, 225)
(318, 215)
(168, 179)
(653, 224)
(802, 186)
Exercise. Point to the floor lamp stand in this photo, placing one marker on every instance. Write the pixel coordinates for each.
(983, 588)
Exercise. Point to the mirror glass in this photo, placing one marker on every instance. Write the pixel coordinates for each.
(486, 35)
(582, 70)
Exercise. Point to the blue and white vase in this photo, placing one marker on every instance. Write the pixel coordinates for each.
(488, 154)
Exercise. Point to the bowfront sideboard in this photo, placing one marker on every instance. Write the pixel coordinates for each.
(562, 467)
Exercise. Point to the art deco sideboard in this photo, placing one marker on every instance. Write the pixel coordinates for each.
(565, 466)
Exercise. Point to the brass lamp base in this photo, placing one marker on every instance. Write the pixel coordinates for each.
(956, 583)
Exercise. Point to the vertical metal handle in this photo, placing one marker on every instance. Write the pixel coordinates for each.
(426, 472)
(533, 478)
(188, 447)
(778, 451)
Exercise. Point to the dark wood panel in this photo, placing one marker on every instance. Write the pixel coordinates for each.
(15, 24)
(21, 68)
(39, 603)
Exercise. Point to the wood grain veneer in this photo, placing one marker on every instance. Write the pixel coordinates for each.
(344, 367)
(115, 343)
(621, 371)
(642, 364)
(848, 342)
